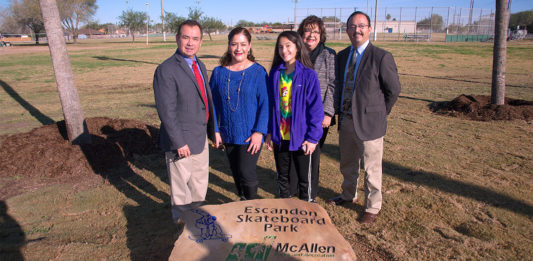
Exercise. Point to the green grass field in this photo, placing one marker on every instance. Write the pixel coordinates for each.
(453, 188)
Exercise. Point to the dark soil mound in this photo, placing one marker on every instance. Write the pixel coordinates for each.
(478, 107)
(46, 152)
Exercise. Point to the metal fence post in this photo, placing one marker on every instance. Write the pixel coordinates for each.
(340, 29)
(492, 17)
(400, 24)
(431, 23)
(459, 23)
(334, 21)
(447, 24)
(375, 21)
(416, 9)
(479, 21)
(384, 26)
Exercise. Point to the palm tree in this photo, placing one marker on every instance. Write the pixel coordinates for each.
(76, 129)
(499, 53)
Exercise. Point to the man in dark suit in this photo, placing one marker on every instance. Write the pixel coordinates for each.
(184, 105)
(367, 88)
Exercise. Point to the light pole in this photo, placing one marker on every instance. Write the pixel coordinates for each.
(375, 21)
(147, 22)
(295, 7)
(163, 22)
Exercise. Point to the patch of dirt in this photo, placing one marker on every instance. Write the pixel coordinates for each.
(45, 155)
(479, 108)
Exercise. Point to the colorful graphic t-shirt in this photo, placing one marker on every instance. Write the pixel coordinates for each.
(285, 104)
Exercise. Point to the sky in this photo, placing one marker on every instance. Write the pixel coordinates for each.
(230, 11)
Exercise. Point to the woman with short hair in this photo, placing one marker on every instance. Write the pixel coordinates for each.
(313, 33)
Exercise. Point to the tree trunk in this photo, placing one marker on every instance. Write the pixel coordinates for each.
(76, 31)
(499, 53)
(76, 128)
(36, 35)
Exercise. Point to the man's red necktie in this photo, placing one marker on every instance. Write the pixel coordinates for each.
(202, 89)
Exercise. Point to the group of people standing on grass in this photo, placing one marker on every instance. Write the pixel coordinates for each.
(289, 109)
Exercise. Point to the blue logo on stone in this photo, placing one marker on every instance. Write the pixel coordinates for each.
(209, 229)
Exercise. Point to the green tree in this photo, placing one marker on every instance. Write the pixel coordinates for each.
(435, 22)
(195, 13)
(211, 25)
(522, 19)
(93, 26)
(109, 28)
(263, 23)
(8, 23)
(27, 13)
(388, 17)
(75, 11)
(244, 23)
(172, 21)
(457, 28)
(133, 20)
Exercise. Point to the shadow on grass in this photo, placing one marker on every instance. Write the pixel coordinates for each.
(416, 99)
(460, 188)
(118, 158)
(42, 118)
(148, 105)
(332, 151)
(461, 80)
(42, 43)
(437, 181)
(127, 40)
(106, 58)
(149, 224)
(265, 176)
(433, 106)
(12, 237)
(208, 56)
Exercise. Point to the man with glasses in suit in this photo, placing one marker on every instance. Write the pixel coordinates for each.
(367, 87)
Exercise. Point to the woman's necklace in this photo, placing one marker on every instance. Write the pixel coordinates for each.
(238, 91)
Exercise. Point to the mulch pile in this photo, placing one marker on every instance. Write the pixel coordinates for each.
(479, 108)
(45, 151)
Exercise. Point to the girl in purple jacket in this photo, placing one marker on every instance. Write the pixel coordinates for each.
(296, 114)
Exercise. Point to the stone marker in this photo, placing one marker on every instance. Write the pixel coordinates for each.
(262, 229)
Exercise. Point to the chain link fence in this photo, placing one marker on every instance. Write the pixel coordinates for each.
(450, 24)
